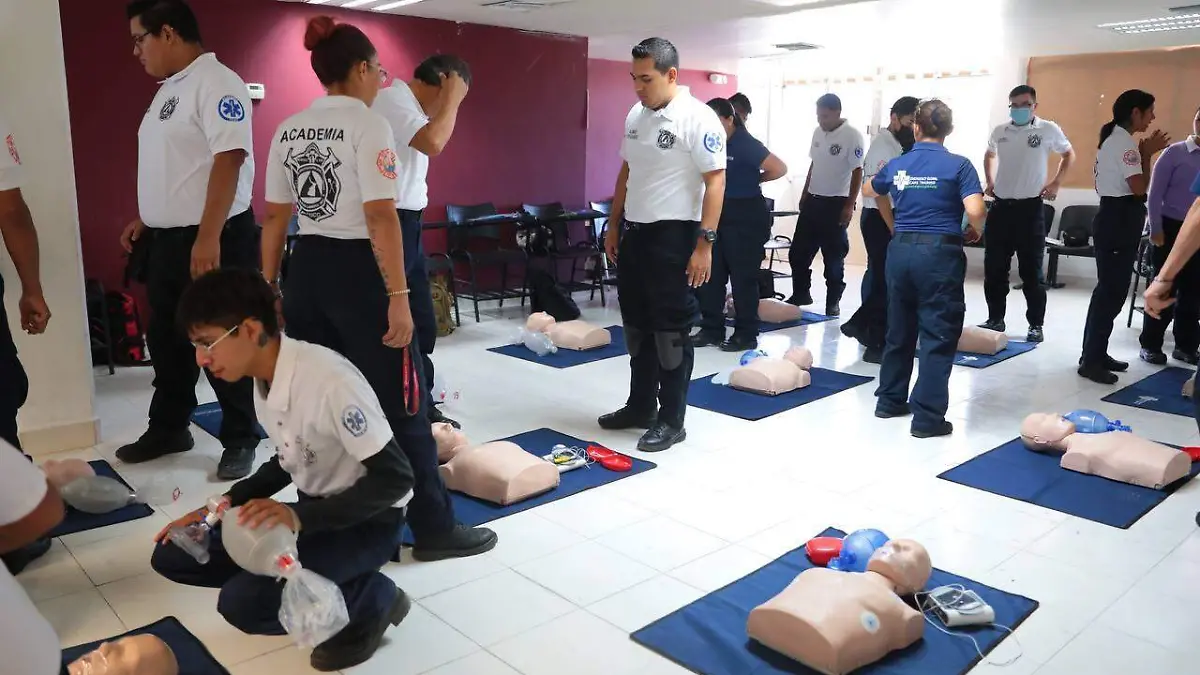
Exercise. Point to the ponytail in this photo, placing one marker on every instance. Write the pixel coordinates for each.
(725, 110)
(1106, 131)
(1122, 109)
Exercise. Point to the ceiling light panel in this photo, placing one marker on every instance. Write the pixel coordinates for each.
(1159, 25)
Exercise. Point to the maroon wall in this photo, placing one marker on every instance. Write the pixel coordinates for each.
(521, 136)
(610, 95)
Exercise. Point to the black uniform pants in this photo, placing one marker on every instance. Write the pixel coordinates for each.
(736, 258)
(14, 384)
(870, 321)
(168, 273)
(1116, 235)
(657, 310)
(819, 228)
(1015, 226)
(334, 296)
(1186, 310)
(420, 297)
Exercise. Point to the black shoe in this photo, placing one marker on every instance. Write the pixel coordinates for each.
(1035, 335)
(706, 339)
(943, 429)
(661, 437)
(800, 300)
(340, 653)
(235, 463)
(155, 444)
(872, 355)
(886, 413)
(461, 542)
(1189, 358)
(833, 309)
(993, 324)
(1098, 374)
(852, 330)
(1154, 357)
(739, 344)
(1115, 366)
(18, 560)
(436, 417)
(625, 418)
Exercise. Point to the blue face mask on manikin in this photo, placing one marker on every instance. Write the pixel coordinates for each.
(1022, 116)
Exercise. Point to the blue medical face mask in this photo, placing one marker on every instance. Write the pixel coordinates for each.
(1022, 116)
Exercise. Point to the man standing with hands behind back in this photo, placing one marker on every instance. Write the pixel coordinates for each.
(665, 212)
(195, 173)
(422, 114)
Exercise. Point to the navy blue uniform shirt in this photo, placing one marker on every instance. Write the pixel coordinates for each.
(743, 169)
(927, 187)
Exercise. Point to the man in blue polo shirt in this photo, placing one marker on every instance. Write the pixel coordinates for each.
(930, 190)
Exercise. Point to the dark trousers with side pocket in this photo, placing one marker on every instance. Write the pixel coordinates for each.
(870, 321)
(14, 384)
(736, 258)
(1185, 313)
(420, 296)
(1116, 236)
(1015, 226)
(819, 229)
(334, 296)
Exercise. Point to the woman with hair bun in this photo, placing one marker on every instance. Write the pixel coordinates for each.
(930, 189)
(1122, 180)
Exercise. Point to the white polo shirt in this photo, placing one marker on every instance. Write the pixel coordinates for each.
(199, 112)
(668, 151)
(323, 418)
(883, 149)
(403, 112)
(27, 642)
(1118, 160)
(12, 174)
(329, 160)
(835, 155)
(1024, 154)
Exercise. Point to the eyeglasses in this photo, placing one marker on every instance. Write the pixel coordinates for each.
(383, 75)
(208, 348)
(1019, 106)
(139, 39)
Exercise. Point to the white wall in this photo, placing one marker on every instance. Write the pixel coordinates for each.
(60, 413)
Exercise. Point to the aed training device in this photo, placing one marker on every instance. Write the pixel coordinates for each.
(957, 606)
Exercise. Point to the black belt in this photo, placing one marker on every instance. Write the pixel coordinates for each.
(827, 198)
(1005, 200)
(630, 225)
(926, 238)
(1127, 199)
(411, 212)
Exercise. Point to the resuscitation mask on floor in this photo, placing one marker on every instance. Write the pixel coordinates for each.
(101, 494)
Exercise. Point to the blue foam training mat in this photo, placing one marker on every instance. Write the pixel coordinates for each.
(208, 416)
(805, 319)
(1160, 392)
(726, 400)
(984, 360)
(471, 511)
(193, 657)
(709, 635)
(1014, 471)
(78, 521)
(568, 358)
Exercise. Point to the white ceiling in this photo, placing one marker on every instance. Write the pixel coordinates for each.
(716, 34)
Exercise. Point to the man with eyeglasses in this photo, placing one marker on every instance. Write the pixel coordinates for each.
(1016, 221)
(195, 172)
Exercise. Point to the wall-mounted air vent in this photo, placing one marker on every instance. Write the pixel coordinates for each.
(797, 46)
(523, 5)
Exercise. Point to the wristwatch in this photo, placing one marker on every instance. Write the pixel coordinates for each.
(708, 235)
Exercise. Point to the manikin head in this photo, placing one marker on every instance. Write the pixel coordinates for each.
(903, 562)
(539, 321)
(800, 356)
(447, 437)
(426, 83)
(655, 72)
(166, 35)
(1046, 431)
(344, 59)
(229, 316)
(1022, 104)
(134, 655)
(829, 112)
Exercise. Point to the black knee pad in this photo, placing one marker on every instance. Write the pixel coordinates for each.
(670, 349)
(633, 340)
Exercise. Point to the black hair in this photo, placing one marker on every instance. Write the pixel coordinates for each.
(741, 103)
(830, 102)
(934, 118)
(336, 48)
(224, 298)
(660, 50)
(905, 105)
(1022, 90)
(1123, 107)
(433, 68)
(155, 15)
(725, 110)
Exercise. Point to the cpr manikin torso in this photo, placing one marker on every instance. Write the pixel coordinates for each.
(771, 310)
(499, 472)
(1116, 455)
(573, 335)
(836, 622)
(134, 655)
(775, 376)
(976, 340)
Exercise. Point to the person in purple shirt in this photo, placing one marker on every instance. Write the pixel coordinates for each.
(1169, 198)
